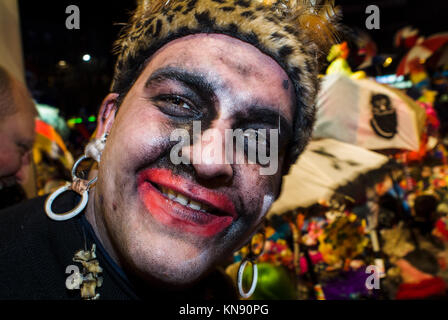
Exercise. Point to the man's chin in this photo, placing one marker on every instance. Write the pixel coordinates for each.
(171, 275)
(167, 256)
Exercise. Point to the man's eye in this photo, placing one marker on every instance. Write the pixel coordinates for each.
(178, 102)
(254, 139)
(176, 106)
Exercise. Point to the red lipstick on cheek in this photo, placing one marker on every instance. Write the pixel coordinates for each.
(179, 216)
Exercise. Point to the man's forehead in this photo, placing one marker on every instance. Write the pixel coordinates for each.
(223, 67)
(219, 50)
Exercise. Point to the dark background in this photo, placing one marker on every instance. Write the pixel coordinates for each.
(78, 89)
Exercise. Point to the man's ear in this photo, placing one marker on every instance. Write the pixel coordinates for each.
(106, 115)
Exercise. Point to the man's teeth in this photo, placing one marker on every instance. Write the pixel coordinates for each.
(180, 198)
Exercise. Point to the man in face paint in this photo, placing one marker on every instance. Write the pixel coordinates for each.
(229, 65)
(171, 223)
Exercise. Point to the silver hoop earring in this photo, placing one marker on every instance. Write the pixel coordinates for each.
(247, 295)
(251, 257)
(81, 186)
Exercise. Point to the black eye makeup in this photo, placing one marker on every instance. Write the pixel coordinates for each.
(182, 94)
(176, 106)
(258, 117)
(260, 139)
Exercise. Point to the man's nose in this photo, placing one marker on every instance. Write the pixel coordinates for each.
(208, 154)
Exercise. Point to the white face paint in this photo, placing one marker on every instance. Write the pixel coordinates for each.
(268, 200)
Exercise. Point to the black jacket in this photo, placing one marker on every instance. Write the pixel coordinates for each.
(35, 252)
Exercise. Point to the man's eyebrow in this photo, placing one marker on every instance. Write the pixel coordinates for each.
(195, 80)
(264, 114)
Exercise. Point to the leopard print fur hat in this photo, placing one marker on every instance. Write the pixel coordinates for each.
(295, 33)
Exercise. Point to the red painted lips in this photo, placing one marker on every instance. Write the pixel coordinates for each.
(179, 203)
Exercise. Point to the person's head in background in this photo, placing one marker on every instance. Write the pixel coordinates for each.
(17, 113)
